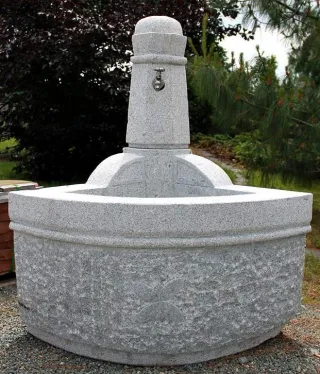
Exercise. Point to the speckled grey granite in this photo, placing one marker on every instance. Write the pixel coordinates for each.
(158, 173)
(158, 119)
(158, 259)
(158, 306)
(157, 162)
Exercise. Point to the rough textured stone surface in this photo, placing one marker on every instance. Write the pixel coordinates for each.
(291, 352)
(158, 306)
(158, 259)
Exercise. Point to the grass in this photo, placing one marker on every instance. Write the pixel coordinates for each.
(6, 170)
(313, 239)
(6, 145)
(231, 174)
(311, 282)
(7, 167)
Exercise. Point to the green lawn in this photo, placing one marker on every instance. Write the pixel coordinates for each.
(6, 166)
(313, 239)
(6, 145)
(231, 174)
(311, 282)
(6, 170)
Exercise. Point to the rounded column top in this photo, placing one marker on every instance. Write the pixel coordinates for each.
(158, 24)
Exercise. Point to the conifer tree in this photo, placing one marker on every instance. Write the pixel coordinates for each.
(282, 118)
(64, 76)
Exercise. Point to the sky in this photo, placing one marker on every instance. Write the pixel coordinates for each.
(271, 43)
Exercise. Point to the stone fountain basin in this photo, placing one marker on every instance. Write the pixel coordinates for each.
(158, 281)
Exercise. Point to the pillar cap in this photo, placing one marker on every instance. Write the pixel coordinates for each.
(159, 25)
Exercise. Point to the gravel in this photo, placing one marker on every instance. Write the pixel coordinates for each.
(295, 350)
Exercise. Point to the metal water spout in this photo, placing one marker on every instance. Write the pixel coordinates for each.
(158, 83)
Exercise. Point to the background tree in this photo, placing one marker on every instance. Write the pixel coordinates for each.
(295, 19)
(281, 118)
(64, 78)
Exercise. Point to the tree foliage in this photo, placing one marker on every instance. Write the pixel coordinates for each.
(299, 23)
(281, 118)
(295, 19)
(64, 77)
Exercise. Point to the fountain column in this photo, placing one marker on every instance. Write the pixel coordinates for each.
(157, 162)
(158, 114)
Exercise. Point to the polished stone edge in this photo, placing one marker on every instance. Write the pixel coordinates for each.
(164, 242)
(159, 59)
(150, 359)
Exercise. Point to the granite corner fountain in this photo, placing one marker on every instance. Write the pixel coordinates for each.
(158, 259)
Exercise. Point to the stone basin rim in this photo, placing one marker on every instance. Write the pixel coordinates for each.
(125, 221)
(80, 193)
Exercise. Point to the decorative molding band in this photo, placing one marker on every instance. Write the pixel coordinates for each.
(164, 242)
(162, 147)
(159, 59)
